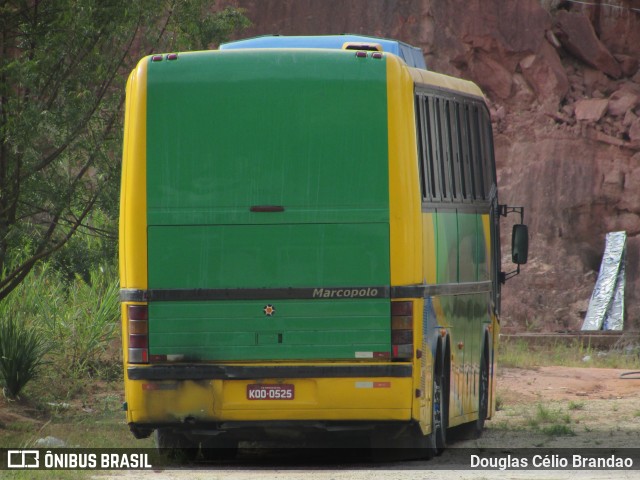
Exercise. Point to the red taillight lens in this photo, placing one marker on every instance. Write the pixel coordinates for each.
(401, 308)
(138, 312)
(402, 330)
(138, 341)
(138, 333)
(138, 327)
(401, 337)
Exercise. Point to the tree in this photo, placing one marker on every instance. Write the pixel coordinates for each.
(63, 67)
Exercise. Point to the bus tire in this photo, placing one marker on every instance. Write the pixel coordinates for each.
(439, 407)
(474, 429)
(483, 393)
(219, 448)
(176, 447)
(400, 443)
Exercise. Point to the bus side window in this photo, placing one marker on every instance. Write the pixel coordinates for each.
(463, 141)
(476, 154)
(421, 147)
(433, 148)
(456, 149)
(487, 148)
(449, 149)
(443, 128)
(469, 157)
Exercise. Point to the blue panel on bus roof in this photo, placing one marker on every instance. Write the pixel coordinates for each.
(411, 55)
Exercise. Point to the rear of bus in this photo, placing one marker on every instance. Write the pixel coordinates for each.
(256, 243)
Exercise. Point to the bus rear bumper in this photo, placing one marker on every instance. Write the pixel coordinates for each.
(183, 396)
(282, 430)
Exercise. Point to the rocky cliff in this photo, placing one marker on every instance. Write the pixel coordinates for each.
(563, 84)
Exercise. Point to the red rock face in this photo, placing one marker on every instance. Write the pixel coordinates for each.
(562, 88)
(578, 37)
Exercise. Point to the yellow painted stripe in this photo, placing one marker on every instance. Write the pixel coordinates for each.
(133, 203)
(404, 191)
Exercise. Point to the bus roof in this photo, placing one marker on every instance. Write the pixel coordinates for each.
(445, 82)
(411, 55)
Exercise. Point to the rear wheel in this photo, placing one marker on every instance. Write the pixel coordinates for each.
(483, 394)
(175, 446)
(219, 448)
(400, 443)
(439, 412)
(474, 429)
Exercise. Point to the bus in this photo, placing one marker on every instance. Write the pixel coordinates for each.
(309, 244)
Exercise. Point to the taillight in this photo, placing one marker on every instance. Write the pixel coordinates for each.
(138, 333)
(402, 330)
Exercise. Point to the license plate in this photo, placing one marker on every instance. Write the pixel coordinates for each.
(257, 391)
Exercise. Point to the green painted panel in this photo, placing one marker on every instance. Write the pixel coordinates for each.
(468, 254)
(210, 331)
(306, 130)
(484, 257)
(267, 256)
(447, 247)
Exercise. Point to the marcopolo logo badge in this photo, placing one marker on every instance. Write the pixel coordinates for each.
(23, 459)
(368, 292)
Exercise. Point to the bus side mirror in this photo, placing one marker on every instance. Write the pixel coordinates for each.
(520, 244)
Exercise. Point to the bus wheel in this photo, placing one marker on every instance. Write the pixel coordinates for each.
(439, 414)
(222, 448)
(483, 394)
(474, 429)
(175, 446)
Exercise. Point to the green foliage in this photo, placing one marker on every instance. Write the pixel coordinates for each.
(551, 422)
(63, 68)
(558, 430)
(80, 318)
(22, 352)
(88, 249)
(86, 323)
(576, 405)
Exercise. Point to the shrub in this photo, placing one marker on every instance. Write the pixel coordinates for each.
(86, 322)
(22, 351)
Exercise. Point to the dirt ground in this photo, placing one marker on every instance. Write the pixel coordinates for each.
(548, 407)
(517, 385)
(563, 407)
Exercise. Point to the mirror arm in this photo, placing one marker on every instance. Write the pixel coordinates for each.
(505, 210)
(504, 276)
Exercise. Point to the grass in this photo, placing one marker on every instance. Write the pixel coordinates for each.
(22, 354)
(576, 405)
(95, 421)
(77, 393)
(546, 420)
(520, 354)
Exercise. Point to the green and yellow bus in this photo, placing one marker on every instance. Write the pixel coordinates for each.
(309, 242)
